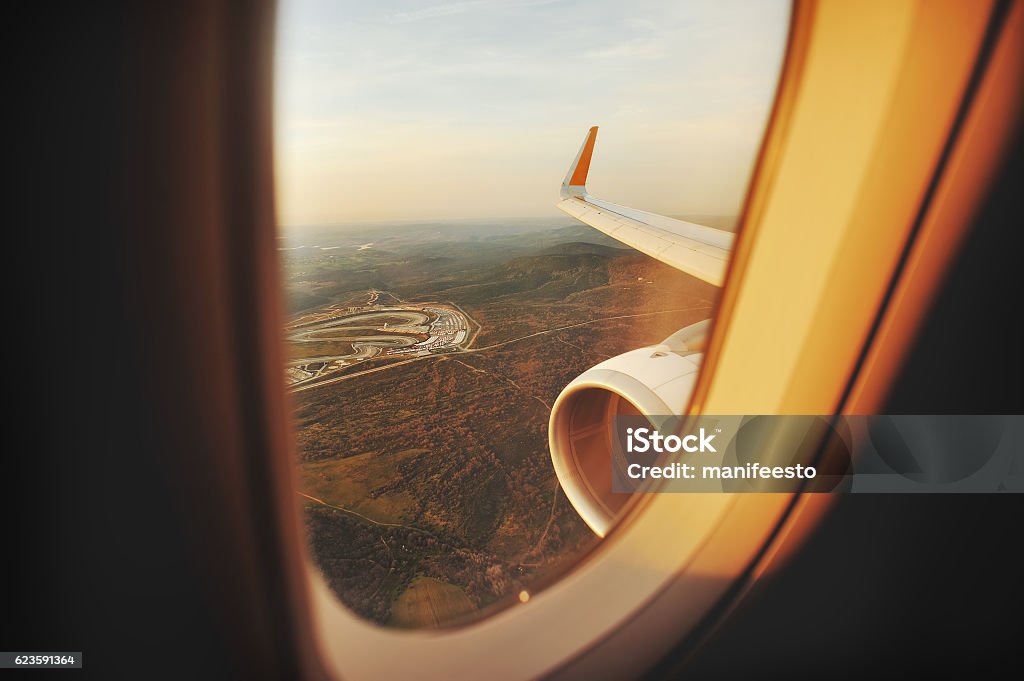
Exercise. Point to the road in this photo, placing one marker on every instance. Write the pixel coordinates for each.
(368, 519)
(487, 348)
(422, 330)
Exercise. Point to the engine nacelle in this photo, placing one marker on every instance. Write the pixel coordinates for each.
(653, 381)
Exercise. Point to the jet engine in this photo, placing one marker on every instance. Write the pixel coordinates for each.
(652, 381)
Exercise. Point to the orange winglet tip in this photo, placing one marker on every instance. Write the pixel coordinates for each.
(579, 173)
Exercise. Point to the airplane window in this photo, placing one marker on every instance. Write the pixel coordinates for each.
(439, 301)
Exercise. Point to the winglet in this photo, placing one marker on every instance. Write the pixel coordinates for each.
(575, 183)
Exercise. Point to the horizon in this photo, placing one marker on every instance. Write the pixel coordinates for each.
(288, 231)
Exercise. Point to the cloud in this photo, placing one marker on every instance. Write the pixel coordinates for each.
(459, 97)
(457, 8)
(435, 12)
(633, 49)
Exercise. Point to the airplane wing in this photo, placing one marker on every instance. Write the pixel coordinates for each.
(695, 249)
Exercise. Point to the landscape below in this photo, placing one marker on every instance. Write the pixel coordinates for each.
(429, 493)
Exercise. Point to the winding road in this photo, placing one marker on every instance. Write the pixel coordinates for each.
(493, 346)
(396, 330)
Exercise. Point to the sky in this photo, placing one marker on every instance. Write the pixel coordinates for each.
(395, 110)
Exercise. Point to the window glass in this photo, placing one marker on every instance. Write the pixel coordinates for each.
(438, 302)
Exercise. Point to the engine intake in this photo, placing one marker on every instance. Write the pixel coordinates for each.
(653, 381)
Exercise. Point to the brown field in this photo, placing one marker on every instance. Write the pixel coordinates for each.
(352, 482)
(439, 498)
(427, 603)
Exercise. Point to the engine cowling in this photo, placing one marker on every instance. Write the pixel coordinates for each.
(656, 380)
